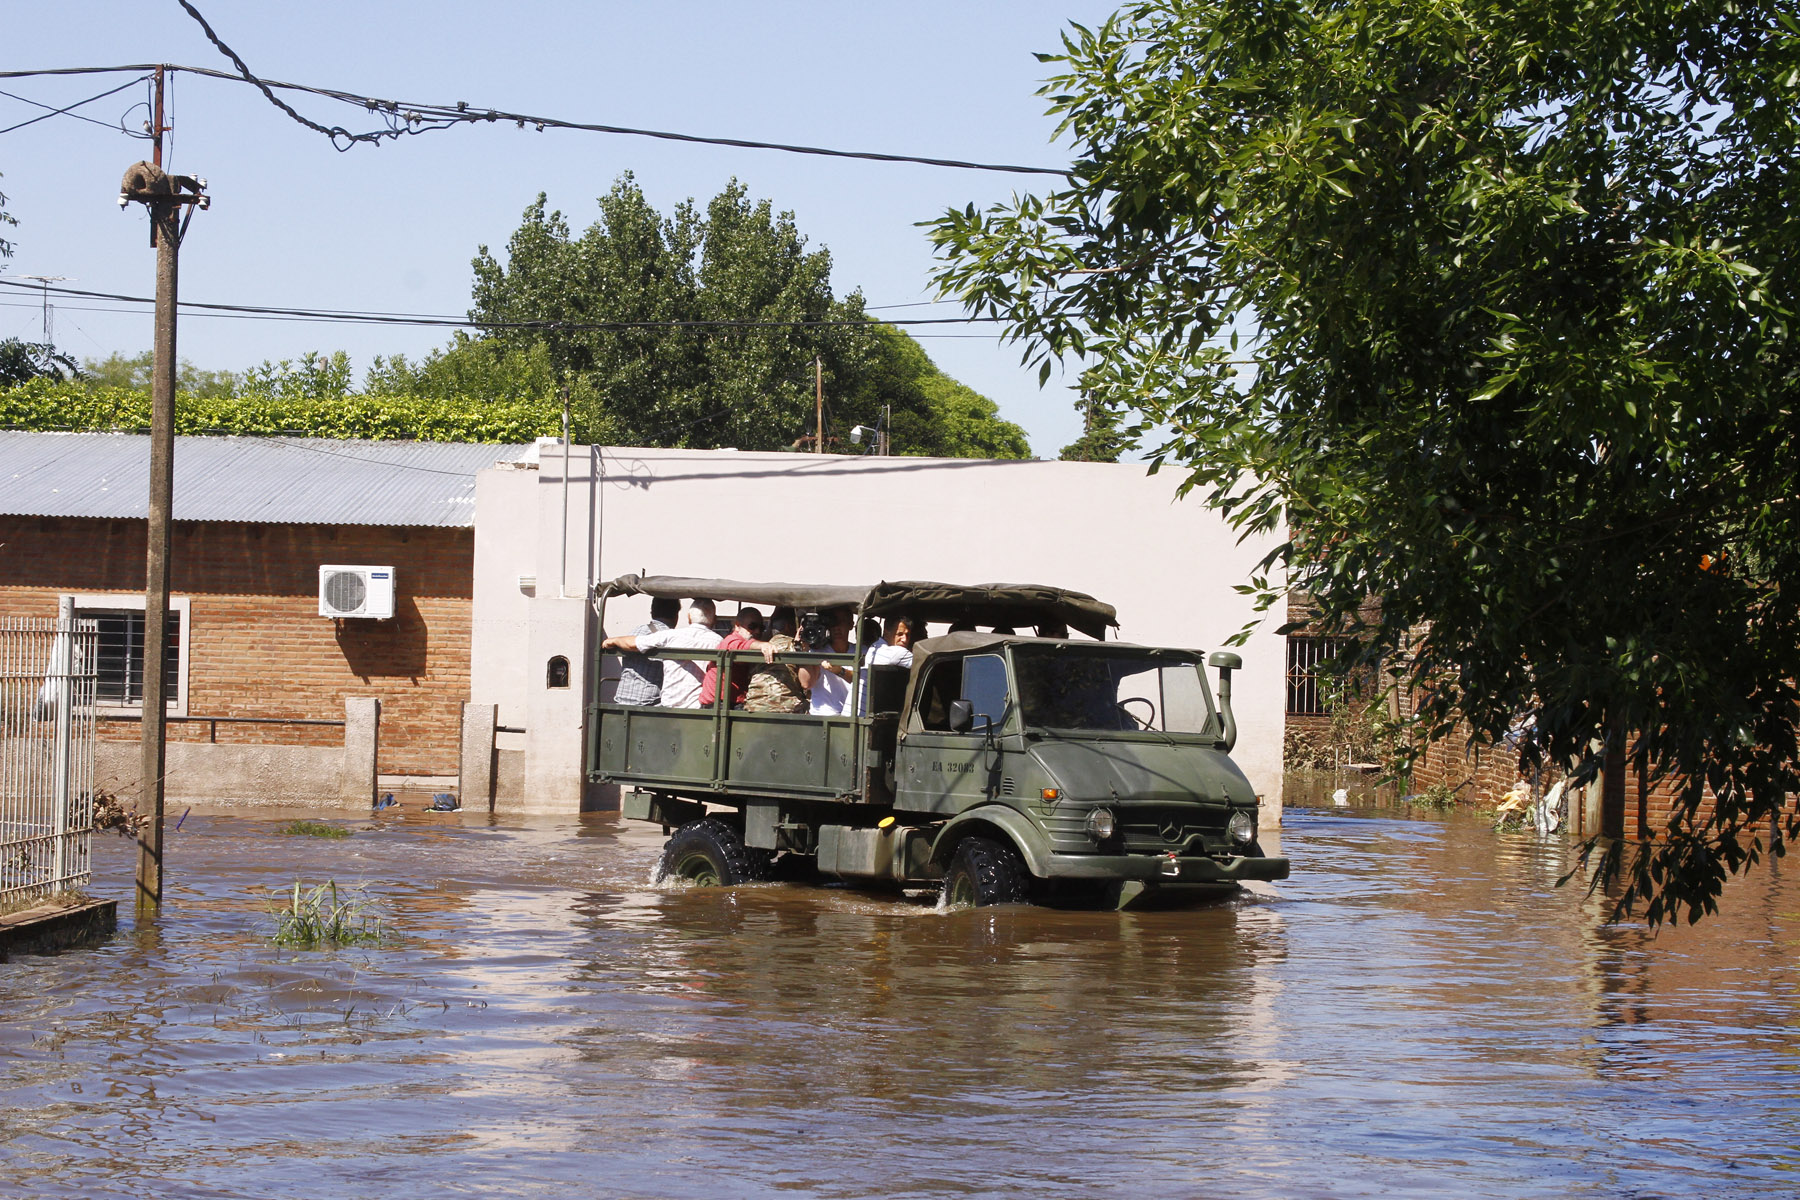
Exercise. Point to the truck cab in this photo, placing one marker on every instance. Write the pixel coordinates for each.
(1001, 768)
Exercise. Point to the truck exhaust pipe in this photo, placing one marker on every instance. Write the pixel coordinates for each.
(1226, 662)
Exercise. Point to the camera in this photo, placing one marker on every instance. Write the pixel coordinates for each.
(815, 631)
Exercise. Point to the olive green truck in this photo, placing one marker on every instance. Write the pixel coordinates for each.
(1003, 768)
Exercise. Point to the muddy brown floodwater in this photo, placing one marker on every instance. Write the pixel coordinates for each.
(1419, 1011)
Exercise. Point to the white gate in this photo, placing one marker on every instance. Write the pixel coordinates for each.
(47, 674)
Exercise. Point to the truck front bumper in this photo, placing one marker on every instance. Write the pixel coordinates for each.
(1166, 868)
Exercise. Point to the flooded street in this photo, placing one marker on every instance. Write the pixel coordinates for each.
(1418, 1011)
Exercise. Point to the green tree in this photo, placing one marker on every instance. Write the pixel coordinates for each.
(133, 372)
(20, 361)
(702, 329)
(1518, 281)
(468, 366)
(1102, 439)
(315, 376)
(929, 413)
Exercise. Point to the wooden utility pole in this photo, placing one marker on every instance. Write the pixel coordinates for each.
(164, 196)
(818, 405)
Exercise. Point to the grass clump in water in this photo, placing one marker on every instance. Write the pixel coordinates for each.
(1438, 798)
(318, 829)
(324, 917)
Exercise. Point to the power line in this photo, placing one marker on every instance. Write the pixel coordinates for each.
(334, 133)
(379, 318)
(69, 110)
(352, 320)
(914, 304)
(328, 321)
(402, 118)
(281, 440)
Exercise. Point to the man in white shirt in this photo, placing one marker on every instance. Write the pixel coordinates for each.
(681, 676)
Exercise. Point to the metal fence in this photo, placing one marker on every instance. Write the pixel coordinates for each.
(47, 679)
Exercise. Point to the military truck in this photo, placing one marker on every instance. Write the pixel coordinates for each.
(1001, 768)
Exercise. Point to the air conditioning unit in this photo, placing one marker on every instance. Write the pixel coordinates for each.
(356, 591)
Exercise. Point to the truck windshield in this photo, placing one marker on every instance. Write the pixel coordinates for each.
(1075, 688)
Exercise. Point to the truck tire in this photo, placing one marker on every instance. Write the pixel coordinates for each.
(709, 853)
(984, 871)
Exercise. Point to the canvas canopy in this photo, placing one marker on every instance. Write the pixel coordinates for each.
(968, 642)
(794, 595)
(1018, 605)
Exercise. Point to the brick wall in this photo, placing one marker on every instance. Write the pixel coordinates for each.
(257, 646)
(1482, 775)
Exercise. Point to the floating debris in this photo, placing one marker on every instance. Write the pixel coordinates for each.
(112, 813)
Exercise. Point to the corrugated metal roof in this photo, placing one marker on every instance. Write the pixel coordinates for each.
(308, 481)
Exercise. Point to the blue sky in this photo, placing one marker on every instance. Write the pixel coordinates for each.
(392, 228)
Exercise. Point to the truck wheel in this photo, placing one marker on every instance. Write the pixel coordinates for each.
(709, 853)
(982, 872)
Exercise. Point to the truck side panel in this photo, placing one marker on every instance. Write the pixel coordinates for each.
(781, 751)
(672, 749)
(665, 745)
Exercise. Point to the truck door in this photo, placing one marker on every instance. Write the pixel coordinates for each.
(942, 771)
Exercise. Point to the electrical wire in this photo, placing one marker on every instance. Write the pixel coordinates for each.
(291, 444)
(69, 110)
(403, 118)
(334, 132)
(253, 312)
(380, 318)
(351, 320)
(914, 304)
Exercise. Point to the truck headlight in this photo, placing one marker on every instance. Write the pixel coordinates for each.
(1100, 824)
(1242, 827)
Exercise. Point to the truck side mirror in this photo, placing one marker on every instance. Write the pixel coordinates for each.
(962, 716)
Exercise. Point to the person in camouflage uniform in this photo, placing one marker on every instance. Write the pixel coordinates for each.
(776, 687)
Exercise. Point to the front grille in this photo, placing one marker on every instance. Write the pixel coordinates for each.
(1158, 829)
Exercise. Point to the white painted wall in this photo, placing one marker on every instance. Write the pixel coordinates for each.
(1111, 530)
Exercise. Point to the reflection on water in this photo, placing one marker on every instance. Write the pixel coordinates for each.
(1418, 1010)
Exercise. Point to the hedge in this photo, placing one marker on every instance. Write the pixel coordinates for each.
(46, 405)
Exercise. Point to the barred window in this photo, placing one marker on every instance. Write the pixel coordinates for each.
(121, 657)
(1305, 655)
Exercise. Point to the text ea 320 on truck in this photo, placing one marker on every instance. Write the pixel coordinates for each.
(1001, 768)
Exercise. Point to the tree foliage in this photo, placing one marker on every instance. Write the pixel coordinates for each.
(1517, 279)
(931, 413)
(702, 328)
(467, 367)
(1102, 438)
(20, 361)
(134, 372)
(45, 404)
